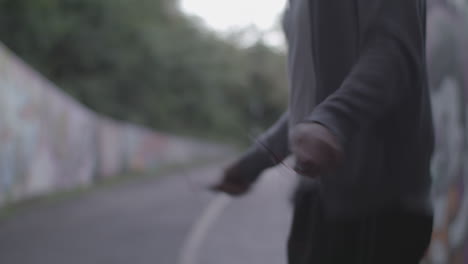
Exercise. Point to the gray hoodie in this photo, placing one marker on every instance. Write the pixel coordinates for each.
(358, 68)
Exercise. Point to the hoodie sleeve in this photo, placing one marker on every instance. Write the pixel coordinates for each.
(389, 63)
(268, 149)
(275, 141)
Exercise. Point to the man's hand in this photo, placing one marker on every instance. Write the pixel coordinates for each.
(238, 178)
(233, 182)
(315, 148)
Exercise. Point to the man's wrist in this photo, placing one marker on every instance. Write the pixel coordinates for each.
(253, 162)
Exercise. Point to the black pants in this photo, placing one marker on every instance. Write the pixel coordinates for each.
(393, 236)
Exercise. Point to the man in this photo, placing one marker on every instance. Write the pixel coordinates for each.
(360, 128)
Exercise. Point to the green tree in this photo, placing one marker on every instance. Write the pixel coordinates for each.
(144, 61)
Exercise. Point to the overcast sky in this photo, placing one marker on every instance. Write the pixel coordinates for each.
(223, 15)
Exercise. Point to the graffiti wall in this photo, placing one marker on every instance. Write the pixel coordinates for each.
(50, 142)
(448, 74)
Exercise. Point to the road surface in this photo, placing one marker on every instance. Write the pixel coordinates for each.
(147, 220)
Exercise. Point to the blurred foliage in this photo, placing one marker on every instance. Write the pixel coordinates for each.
(146, 62)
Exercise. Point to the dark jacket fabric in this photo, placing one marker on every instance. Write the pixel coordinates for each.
(372, 93)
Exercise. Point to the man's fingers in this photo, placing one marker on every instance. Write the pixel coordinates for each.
(308, 162)
(316, 149)
(308, 169)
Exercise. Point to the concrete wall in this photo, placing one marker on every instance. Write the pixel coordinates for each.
(49, 142)
(448, 68)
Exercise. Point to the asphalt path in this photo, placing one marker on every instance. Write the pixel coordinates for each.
(149, 220)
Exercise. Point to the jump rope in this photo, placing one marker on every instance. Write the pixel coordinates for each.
(190, 252)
